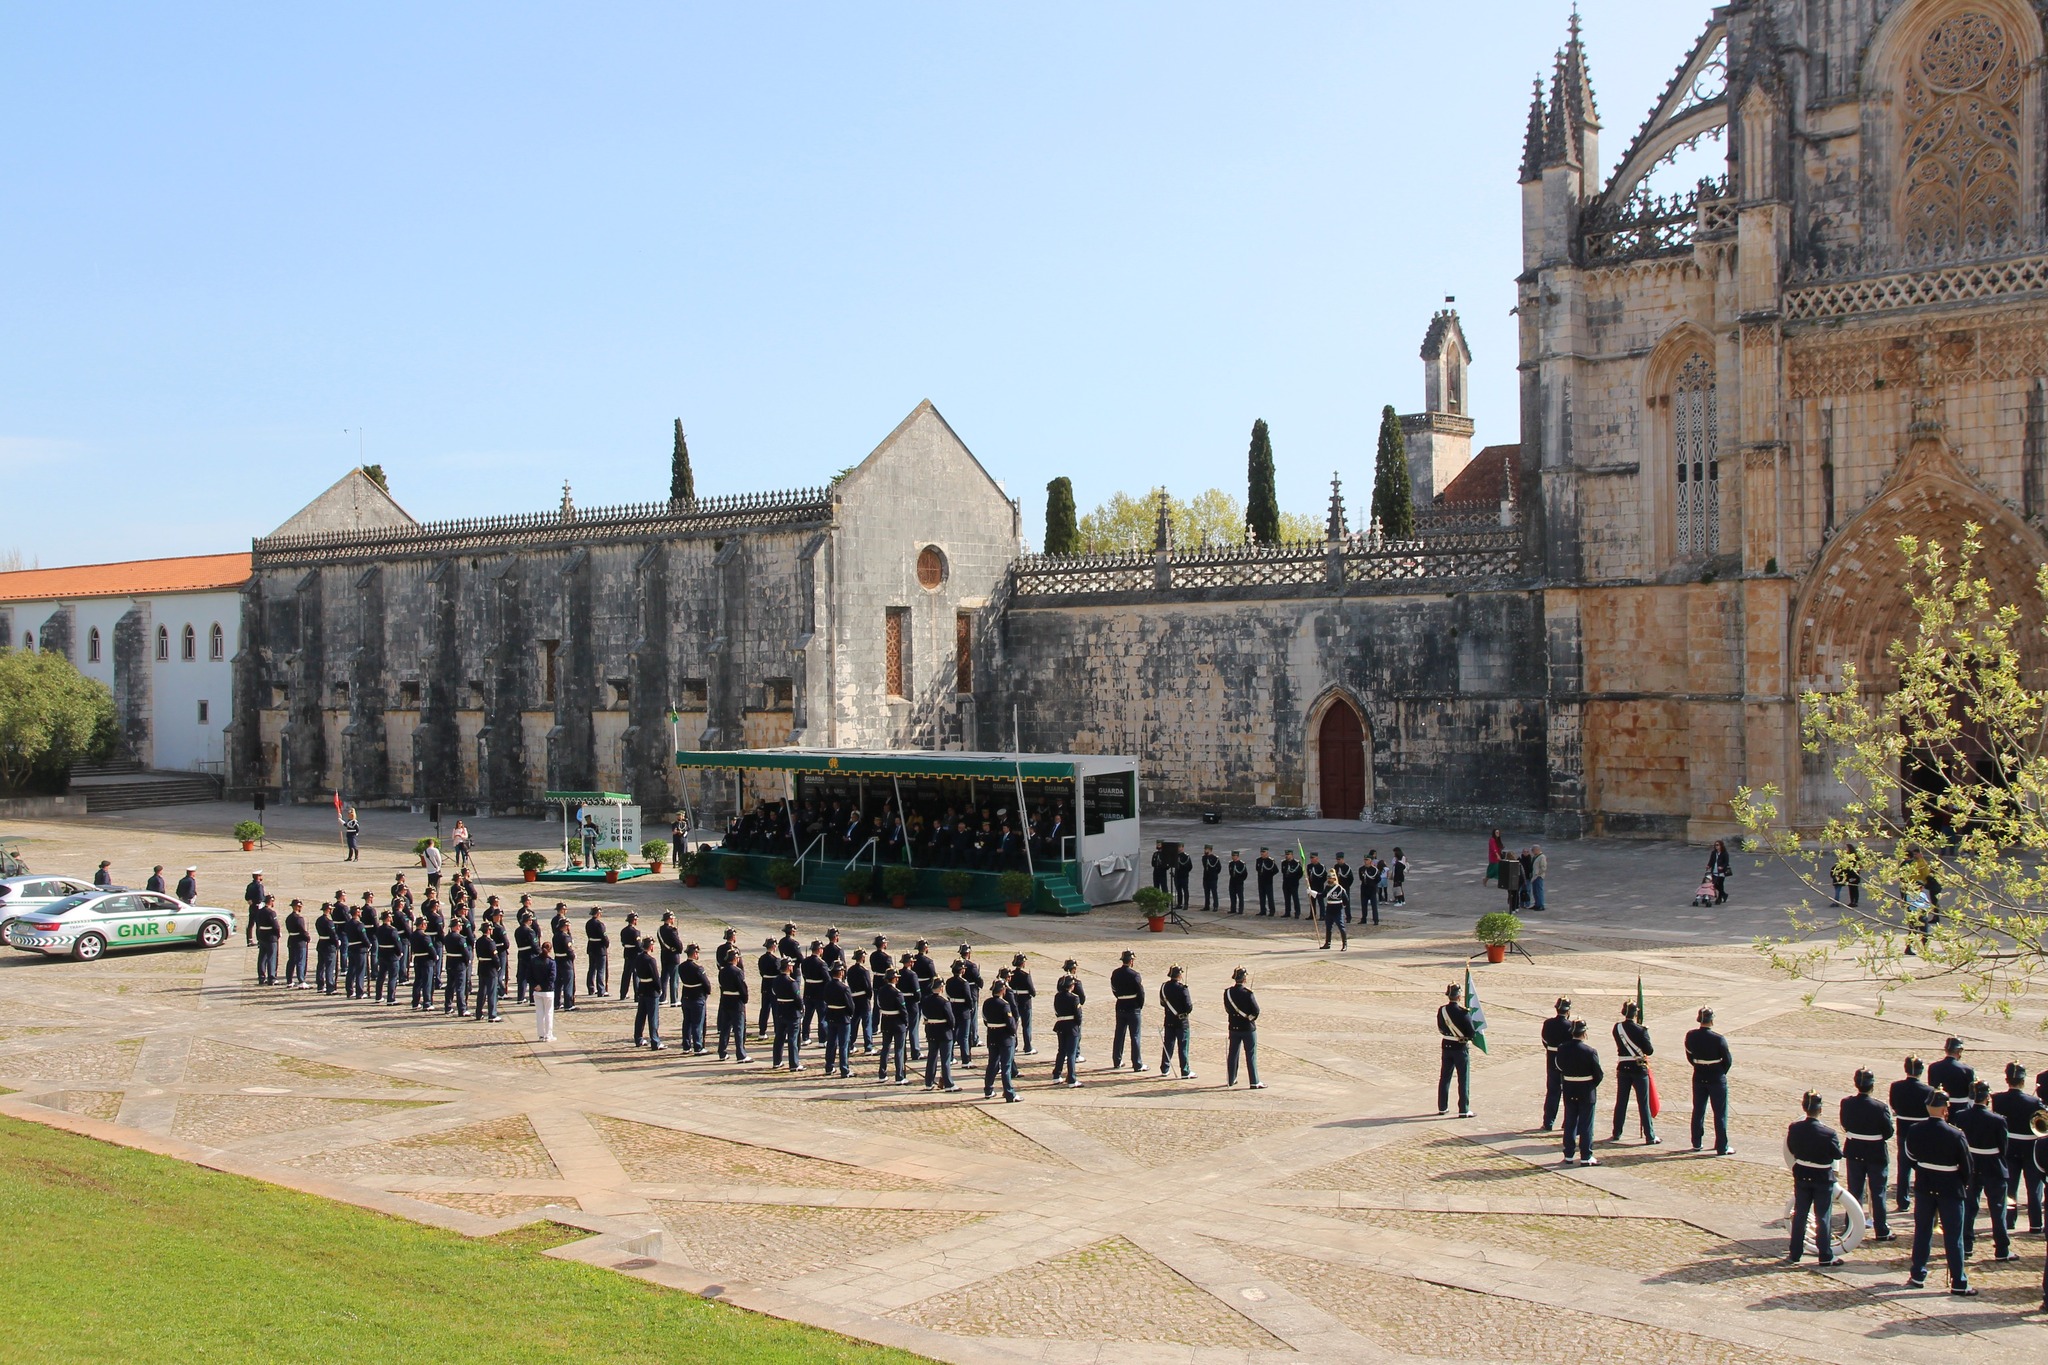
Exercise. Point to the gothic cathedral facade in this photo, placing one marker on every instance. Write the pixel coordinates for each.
(1738, 395)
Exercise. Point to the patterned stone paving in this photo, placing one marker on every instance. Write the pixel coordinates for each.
(1331, 1218)
(763, 1242)
(1439, 1322)
(1111, 1290)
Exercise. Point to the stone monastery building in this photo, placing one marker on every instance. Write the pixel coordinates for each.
(1735, 395)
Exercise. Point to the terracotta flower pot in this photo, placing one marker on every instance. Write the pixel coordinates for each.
(732, 883)
(1496, 952)
(897, 901)
(1156, 923)
(1013, 908)
(784, 892)
(691, 879)
(853, 900)
(655, 867)
(531, 874)
(611, 874)
(952, 902)
(248, 845)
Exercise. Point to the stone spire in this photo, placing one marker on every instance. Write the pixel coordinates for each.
(1532, 141)
(1571, 126)
(1162, 530)
(568, 503)
(1336, 529)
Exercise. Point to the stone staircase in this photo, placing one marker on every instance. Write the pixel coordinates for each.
(124, 784)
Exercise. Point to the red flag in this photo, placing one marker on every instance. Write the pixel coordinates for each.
(1656, 1103)
(337, 805)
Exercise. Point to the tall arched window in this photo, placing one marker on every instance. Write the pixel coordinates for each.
(28, 641)
(188, 644)
(1960, 101)
(163, 643)
(92, 645)
(216, 644)
(1694, 436)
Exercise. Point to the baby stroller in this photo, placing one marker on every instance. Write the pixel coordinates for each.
(1705, 895)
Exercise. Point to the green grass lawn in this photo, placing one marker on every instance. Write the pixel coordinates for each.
(113, 1254)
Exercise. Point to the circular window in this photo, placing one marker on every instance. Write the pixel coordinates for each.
(931, 566)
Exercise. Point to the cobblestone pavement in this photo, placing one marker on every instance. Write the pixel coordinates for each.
(1333, 1216)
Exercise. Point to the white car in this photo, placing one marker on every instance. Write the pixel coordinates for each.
(85, 926)
(19, 895)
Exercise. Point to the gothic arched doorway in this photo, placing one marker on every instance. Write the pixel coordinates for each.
(1340, 763)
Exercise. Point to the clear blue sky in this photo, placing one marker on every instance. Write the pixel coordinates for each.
(511, 242)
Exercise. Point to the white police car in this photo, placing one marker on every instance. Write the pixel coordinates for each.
(21, 895)
(85, 926)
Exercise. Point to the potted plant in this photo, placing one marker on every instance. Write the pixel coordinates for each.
(655, 851)
(853, 882)
(1015, 888)
(419, 849)
(899, 881)
(248, 832)
(532, 864)
(1153, 903)
(783, 876)
(956, 884)
(691, 867)
(1497, 929)
(732, 867)
(612, 860)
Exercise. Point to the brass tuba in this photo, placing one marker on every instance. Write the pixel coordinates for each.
(2039, 1123)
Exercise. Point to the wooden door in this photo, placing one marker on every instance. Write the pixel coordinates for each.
(1340, 748)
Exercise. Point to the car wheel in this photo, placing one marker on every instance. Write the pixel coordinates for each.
(7, 933)
(212, 934)
(88, 947)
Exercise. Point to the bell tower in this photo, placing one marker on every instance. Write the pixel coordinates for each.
(1439, 438)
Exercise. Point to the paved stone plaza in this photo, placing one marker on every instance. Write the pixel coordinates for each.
(1332, 1215)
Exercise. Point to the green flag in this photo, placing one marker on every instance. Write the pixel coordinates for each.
(1473, 1008)
(1642, 1015)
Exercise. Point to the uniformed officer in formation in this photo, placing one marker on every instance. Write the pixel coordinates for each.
(893, 1016)
(1265, 869)
(732, 1007)
(1941, 1161)
(999, 1031)
(670, 940)
(456, 951)
(1711, 1059)
(1238, 874)
(1183, 869)
(419, 946)
(1984, 1130)
(1579, 1075)
(1177, 1008)
(1454, 1030)
(1909, 1095)
(1023, 992)
(1632, 1073)
(1867, 1129)
(488, 982)
(1814, 1148)
(937, 1014)
(1556, 1032)
(812, 974)
(597, 952)
(561, 934)
(787, 1000)
(835, 1008)
(693, 993)
(1212, 877)
(1066, 1030)
(768, 966)
(264, 929)
(1290, 884)
(1336, 909)
(1951, 1075)
(860, 985)
(1241, 1017)
(643, 971)
(2018, 1108)
(326, 951)
(1128, 989)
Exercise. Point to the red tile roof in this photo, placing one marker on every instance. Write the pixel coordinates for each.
(1486, 479)
(191, 573)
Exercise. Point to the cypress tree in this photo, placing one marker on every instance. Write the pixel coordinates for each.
(1061, 535)
(1393, 498)
(1261, 503)
(682, 484)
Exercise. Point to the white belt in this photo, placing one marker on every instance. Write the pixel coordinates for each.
(1985, 1151)
(1906, 1119)
(1548, 1048)
(1579, 1080)
(1864, 1137)
(1814, 1165)
(1935, 1166)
